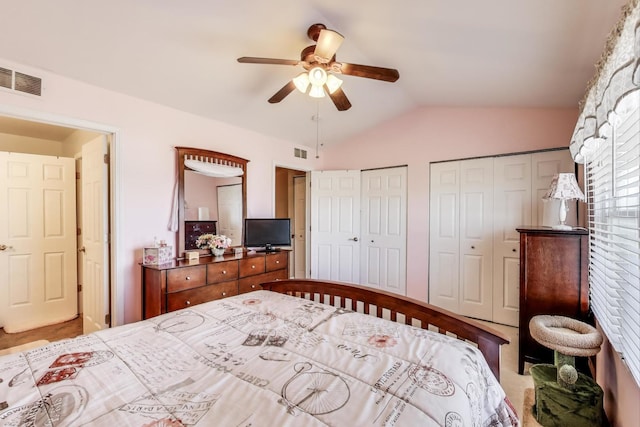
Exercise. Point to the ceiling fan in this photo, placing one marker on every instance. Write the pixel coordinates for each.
(319, 62)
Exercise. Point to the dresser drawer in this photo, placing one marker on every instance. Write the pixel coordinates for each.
(251, 266)
(222, 271)
(277, 261)
(183, 299)
(252, 283)
(186, 278)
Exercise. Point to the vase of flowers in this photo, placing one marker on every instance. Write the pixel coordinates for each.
(218, 243)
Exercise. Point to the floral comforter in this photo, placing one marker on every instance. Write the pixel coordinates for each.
(257, 359)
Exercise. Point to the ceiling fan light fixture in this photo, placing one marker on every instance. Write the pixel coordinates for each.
(316, 91)
(317, 76)
(333, 83)
(302, 82)
(328, 43)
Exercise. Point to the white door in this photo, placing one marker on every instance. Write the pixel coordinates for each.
(95, 190)
(383, 258)
(230, 212)
(476, 238)
(444, 235)
(335, 225)
(38, 283)
(299, 226)
(512, 199)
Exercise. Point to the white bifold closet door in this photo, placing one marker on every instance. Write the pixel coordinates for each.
(461, 229)
(475, 207)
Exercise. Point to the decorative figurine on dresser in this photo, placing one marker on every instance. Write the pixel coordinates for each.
(553, 281)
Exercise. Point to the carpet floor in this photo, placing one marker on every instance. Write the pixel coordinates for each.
(513, 384)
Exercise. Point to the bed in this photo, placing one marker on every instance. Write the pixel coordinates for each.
(299, 353)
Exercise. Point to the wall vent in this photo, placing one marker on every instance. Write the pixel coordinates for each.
(299, 152)
(20, 82)
(6, 77)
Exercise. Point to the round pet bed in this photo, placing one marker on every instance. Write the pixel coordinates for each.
(565, 335)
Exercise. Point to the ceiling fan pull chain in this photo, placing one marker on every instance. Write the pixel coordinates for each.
(317, 128)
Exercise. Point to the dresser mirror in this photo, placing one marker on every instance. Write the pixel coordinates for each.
(212, 196)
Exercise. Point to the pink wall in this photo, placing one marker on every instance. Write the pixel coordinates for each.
(432, 134)
(621, 393)
(147, 133)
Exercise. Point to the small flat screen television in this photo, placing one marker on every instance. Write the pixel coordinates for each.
(267, 234)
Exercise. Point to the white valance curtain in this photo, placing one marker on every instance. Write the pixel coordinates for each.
(618, 74)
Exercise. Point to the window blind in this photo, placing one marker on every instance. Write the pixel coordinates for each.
(613, 191)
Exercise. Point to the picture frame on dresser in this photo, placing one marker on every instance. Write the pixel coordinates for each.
(194, 229)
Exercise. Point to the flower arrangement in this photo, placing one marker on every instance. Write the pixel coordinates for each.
(213, 241)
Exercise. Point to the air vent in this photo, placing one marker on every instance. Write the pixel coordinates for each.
(5, 78)
(28, 84)
(20, 82)
(298, 152)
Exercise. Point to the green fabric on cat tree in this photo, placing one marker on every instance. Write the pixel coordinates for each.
(557, 406)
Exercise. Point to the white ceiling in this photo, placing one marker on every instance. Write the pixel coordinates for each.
(490, 53)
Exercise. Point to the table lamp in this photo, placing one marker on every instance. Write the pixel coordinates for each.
(563, 187)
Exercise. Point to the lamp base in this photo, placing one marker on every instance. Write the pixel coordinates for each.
(562, 227)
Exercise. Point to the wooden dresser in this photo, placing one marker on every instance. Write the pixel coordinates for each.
(179, 284)
(553, 280)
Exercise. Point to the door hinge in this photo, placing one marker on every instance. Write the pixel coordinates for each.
(79, 288)
(106, 159)
(77, 175)
(107, 319)
(79, 231)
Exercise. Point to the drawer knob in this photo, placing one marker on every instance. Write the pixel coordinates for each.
(188, 303)
(188, 278)
(253, 266)
(277, 262)
(253, 286)
(224, 271)
(224, 293)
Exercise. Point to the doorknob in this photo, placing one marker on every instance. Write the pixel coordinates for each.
(82, 249)
(4, 247)
(355, 239)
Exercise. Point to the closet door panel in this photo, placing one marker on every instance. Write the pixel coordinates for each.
(512, 208)
(476, 235)
(544, 166)
(444, 237)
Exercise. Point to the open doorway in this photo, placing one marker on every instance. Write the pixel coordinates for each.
(290, 202)
(19, 135)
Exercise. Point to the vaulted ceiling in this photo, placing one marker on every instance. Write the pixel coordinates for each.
(490, 53)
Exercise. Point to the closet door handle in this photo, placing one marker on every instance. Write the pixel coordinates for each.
(473, 247)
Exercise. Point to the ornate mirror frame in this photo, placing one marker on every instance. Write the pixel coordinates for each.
(188, 153)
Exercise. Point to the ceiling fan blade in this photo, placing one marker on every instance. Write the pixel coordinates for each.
(369, 72)
(327, 45)
(275, 61)
(282, 93)
(339, 99)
